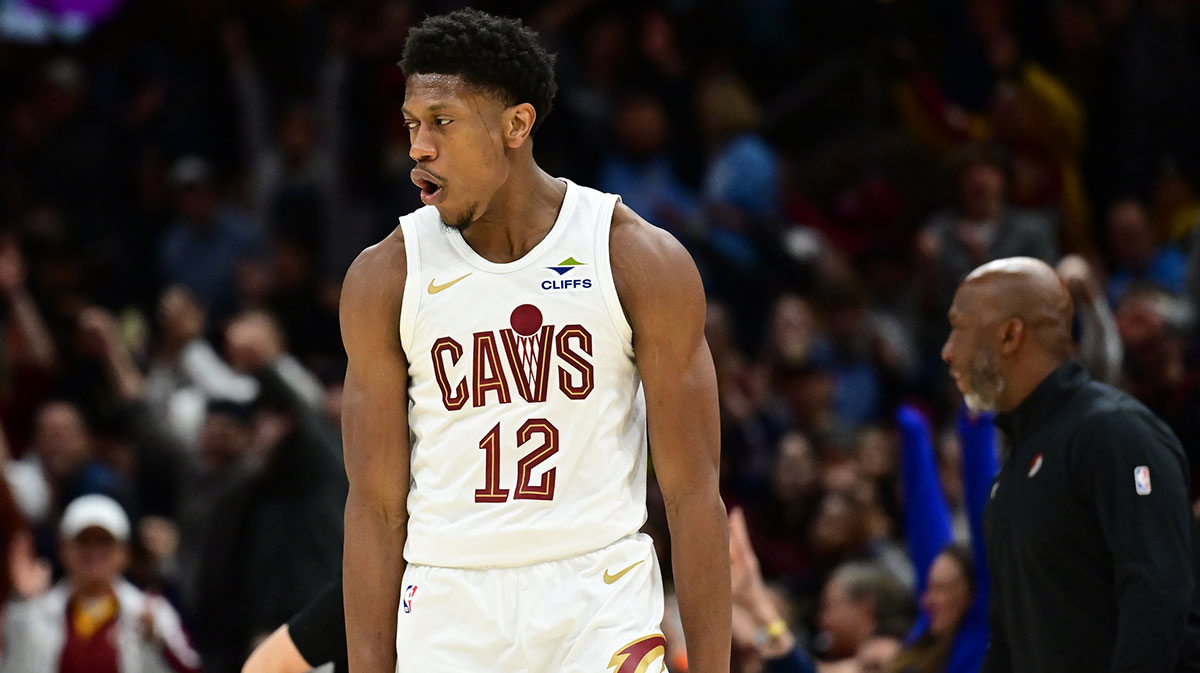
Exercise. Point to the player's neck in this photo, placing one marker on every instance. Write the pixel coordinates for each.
(519, 216)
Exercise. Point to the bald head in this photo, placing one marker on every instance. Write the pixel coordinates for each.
(1031, 291)
(1010, 327)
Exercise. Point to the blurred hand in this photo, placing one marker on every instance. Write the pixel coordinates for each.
(159, 536)
(1077, 275)
(747, 583)
(98, 332)
(12, 268)
(744, 629)
(928, 245)
(30, 575)
(146, 624)
(180, 317)
(252, 342)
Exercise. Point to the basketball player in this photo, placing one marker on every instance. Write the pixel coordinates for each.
(496, 418)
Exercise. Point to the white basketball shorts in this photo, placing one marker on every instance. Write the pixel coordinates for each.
(600, 612)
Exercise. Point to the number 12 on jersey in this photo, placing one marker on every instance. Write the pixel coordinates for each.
(544, 488)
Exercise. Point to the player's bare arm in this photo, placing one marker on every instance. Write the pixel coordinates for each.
(375, 434)
(663, 298)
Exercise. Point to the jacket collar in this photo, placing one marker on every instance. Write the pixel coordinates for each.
(1044, 401)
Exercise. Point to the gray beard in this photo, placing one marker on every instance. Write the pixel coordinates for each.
(985, 384)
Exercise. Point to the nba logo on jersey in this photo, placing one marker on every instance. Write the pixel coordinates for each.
(409, 592)
(1141, 479)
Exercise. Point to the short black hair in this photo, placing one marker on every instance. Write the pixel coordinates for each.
(496, 53)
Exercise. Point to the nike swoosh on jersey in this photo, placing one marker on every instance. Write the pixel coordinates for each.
(434, 289)
(609, 579)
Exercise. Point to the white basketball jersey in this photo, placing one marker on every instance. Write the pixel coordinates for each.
(526, 411)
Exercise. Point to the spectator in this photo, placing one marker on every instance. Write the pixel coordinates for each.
(641, 171)
(859, 601)
(208, 243)
(760, 632)
(1139, 257)
(276, 530)
(1098, 342)
(62, 453)
(951, 633)
(94, 621)
(981, 227)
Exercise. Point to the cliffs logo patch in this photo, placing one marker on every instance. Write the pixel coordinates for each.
(1141, 480)
(637, 656)
(576, 281)
(1035, 465)
(409, 592)
(566, 266)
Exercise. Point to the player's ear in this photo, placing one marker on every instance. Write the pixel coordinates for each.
(1012, 336)
(518, 124)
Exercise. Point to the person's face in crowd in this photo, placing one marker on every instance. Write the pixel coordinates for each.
(793, 328)
(1129, 235)
(61, 439)
(947, 595)
(838, 529)
(1140, 322)
(845, 622)
(223, 438)
(981, 189)
(972, 350)
(642, 127)
(461, 137)
(950, 467)
(298, 134)
(795, 474)
(93, 559)
(197, 202)
(1153, 348)
(876, 454)
(877, 654)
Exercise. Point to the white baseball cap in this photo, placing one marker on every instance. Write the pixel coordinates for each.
(94, 511)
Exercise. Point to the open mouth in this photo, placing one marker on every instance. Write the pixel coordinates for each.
(432, 190)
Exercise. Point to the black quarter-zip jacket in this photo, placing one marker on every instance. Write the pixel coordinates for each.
(1089, 534)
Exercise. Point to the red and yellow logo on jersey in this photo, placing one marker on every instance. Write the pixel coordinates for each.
(637, 656)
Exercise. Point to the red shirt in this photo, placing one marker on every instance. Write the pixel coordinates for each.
(97, 654)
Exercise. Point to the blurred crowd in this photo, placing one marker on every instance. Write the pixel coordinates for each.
(182, 189)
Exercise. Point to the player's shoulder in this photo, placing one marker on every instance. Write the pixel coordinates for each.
(651, 268)
(375, 280)
(637, 245)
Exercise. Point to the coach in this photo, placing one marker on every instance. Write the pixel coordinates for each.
(1088, 529)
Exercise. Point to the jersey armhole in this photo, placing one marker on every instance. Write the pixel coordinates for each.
(608, 286)
(411, 301)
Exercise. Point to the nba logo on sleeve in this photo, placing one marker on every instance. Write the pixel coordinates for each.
(1141, 480)
(408, 596)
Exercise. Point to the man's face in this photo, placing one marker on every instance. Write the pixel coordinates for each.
(456, 136)
(61, 439)
(843, 620)
(93, 558)
(970, 351)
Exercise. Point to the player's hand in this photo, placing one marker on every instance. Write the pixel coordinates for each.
(253, 341)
